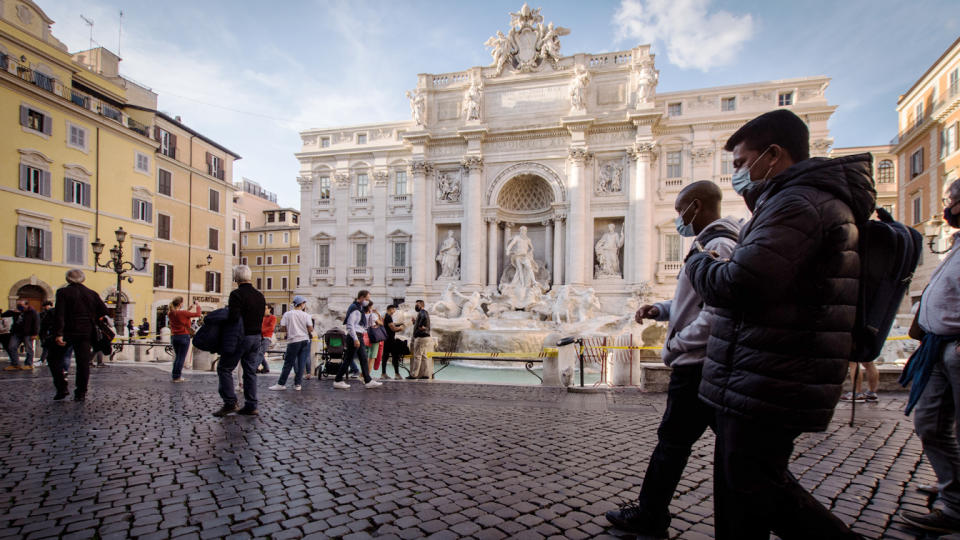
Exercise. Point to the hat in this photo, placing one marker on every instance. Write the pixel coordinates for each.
(297, 300)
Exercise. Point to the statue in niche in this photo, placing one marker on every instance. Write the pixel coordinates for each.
(578, 89)
(449, 257)
(448, 186)
(524, 280)
(499, 50)
(608, 252)
(647, 79)
(611, 178)
(418, 104)
(471, 101)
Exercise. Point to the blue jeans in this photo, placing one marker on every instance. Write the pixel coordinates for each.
(262, 352)
(181, 344)
(246, 357)
(12, 350)
(357, 351)
(295, 358)
(936, 422)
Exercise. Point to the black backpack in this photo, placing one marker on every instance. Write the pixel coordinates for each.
(889, 253)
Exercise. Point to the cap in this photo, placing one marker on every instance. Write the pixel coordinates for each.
(297, 300)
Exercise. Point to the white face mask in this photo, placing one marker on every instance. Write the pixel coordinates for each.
(741, 177)
(365, 303)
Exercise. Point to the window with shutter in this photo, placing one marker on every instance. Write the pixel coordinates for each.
(214, 200)
(157, 275)
(163, 226)
(74, 248)
(164, 182)
(31, 179)
(283, 283)
(214, 240)
(169, 276)
(141, 162)
(269, 283)
(208, 285)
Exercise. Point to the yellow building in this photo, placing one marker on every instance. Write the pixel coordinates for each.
(272, 251)
(78, 164)
(194, 247)
(884, 174)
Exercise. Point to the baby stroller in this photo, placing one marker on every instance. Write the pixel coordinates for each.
(332, 354)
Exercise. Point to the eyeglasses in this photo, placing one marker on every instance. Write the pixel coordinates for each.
(947, 201)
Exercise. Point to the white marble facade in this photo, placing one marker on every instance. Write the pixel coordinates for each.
(570, 147)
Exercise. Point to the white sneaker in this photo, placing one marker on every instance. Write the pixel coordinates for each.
(296, 387)
(341, 385)
(373, 384)
(278, 387)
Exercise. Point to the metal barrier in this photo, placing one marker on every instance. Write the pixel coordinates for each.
(528, 359)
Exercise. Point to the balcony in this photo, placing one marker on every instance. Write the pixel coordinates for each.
(667, 271)
(672, 185)
(398, 273)
(323, 271)
(359, 202)
(362, 274)
(725, 180)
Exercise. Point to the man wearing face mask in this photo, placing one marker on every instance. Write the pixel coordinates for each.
(356, 326)
(781, 336)
(686, 417)
(935, 417)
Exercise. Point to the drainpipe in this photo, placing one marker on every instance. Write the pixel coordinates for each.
(190, 222)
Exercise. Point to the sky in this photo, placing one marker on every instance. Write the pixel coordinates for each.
(252, 75)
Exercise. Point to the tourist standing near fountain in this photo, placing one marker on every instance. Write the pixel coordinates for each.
(356, 326)
(685, 417)
(422, 344)
(298, 326)
(391, 344)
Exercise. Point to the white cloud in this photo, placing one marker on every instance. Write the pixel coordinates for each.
(692, 35)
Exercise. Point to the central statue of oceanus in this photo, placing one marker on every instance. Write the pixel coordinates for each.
(524, 280)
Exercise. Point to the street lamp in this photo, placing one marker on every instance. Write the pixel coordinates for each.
(209, 260)
(932, 230)
(119, 267)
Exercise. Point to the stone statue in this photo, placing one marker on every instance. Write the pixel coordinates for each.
(525, 16)
(587, 304)
(418, 104)
(550, 42)
(448, 187)
(447, 306)
(528, 44)
(449, 257)
(472, 308)
(499, 50)
(608, 252)
(647, 79)
(611, 178)
(471, 101)
(519, 252)
(578, 90)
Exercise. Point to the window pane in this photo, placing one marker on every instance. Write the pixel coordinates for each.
(361, 252)
(673, 248)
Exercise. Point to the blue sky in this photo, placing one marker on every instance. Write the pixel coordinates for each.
(252, 74)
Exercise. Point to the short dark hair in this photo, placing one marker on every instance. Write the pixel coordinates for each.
(780, 127)
(362, 293)
(271, 309)
(47, 303)
(419, 302)
(392, 306)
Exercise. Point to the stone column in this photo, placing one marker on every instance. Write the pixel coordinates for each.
(639, 254)
(308, 258)
(580, 249)
(380, 260)
(548, 244)
(492, 252)
(558, 250)
(342, 256)
(471, 232)
(419, 170)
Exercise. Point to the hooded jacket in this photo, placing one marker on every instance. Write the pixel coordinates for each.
(786, 300)
(689, 319)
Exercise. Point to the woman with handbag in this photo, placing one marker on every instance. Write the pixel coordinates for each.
(180, 331)
(373, 337)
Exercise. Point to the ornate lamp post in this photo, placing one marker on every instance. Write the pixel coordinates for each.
(932, 230)
(120, 267)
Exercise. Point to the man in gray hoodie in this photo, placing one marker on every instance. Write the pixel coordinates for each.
(686, 417)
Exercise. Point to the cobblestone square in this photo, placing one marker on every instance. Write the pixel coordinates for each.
(144, 458)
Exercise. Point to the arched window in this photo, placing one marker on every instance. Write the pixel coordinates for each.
(885, 172)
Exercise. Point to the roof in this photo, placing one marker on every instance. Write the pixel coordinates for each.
(196, 134)
(927, 72)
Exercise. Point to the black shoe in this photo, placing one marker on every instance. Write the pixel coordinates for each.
(246, 411)
(225, 410)
(60, 396)
(934, 521)
(411, 378)
(79, 397)
(424, 378)
(631, 518)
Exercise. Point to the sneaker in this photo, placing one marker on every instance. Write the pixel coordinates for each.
(278, 387)
(354, 375)
(12, 368)
(935, 521)
(871, 397)
(630, 517)
(225, 410)
(398, 377)
(247, 411)
(179, 380)
(341, 385)
(297, 387)
(373, 384)
(847, 396)
(929, 489)
(26, 368)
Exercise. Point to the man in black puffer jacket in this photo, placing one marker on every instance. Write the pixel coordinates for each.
(786, 302)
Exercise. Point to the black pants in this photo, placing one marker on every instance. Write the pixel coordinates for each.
(354, 350)
(392, 350)
(84, 354)
(754, 492)
(684, 421)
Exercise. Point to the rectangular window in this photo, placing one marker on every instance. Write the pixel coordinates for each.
(674, 166)
(918, 111)
(168, 143)
(269, 283)
(212, 282)
(284, 259)
(325, 142)
(298, 259)
(142, 210)
(75, 249)
(673, 248)
(138, 262)
(951, 141)
(269, 238)
(361, 138)
(885, 172)
(214, 239)
(259, 260)
(259, 284)
(32, 179)
(163, 275)
(324, 187)
(260, 239)
(400, 183)
(142, 163)
(674, 109)
(77, 137)
(76, 192)
(298, 281)
(165, 182)
(269, 259)
(785, 99)
(323, 255)
(244, 240)
(163, 226)
(214, 200)
(270, 217)
(400, 254)
(233, 249)
(233, 224)
(917, 206)
(286, 238)
(728, 104)
(726, 162)
(282, 217)
(360, 255)
(283, 283)
(243, 261)
(363, 184)
(916, 163)
(35, 120)
(215, 166)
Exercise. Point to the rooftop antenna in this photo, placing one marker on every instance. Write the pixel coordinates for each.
(89, 23)
(119, 32)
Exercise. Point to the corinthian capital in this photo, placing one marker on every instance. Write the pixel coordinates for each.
(306, 182)
(642, 151)
(421, 167)
(580, 155)
(472, 162)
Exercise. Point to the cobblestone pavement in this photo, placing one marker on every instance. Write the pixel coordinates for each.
(144, 458)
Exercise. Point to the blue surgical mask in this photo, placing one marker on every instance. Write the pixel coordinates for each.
(685, 229)
(741, 177)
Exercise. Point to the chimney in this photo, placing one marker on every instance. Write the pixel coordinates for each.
(177, 118)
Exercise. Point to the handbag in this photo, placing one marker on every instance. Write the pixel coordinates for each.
(377, 334)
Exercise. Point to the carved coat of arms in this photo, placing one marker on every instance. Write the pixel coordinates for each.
(528, 44)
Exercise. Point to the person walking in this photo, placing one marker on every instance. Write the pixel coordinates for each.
(246, 307)
(373, 323)
(355, 349)
(685, 417)
(299, 328)
(419, 367)
(266, 338)
(25, 329)
(76, 312)
(131, 330)
(391, 345)
(180, 334)
(144, 330)
(786, 303)
(934, 399)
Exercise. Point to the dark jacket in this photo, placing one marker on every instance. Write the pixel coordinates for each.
(787, 298)
(247, 305)
(76, 312)
(47, 317)
(26, 323)
(423, 320)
